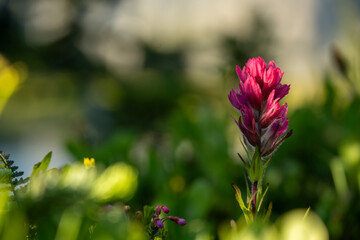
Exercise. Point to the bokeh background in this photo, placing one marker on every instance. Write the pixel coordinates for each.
(146, 83)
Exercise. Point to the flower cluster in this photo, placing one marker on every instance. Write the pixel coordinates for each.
(159, 222)
(263, 121)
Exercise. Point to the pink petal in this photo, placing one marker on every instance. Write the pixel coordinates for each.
(272, 111)
(237, 99)
(272, 64)
(250, 136)
(273, 133)
(248, 127)
(272, 78)
(256, 68)
(241, 73)
(281, 91)
(252, 91)
(248, 117)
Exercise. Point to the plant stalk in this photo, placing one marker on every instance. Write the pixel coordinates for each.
(253, 201)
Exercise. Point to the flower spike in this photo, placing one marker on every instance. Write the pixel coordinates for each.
(262, 122)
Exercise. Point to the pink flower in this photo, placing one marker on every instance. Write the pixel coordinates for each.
(263, 120)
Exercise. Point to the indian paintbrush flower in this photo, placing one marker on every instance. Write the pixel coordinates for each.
(262, 120)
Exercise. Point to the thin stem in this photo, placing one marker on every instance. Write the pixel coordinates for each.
(3, 159)
(12, 186)
(253, 201)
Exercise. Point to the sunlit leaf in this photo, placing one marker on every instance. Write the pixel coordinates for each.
(246, 210)
(118, 181)
(307, 212)
(42, 166)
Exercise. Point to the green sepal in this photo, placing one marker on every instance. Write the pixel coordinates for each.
(256, 167)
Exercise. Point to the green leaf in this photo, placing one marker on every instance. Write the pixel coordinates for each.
(238, 197)
(42, 166)
(265, 165)
(268, 212)
(306, 213)
(149, 211)
(246, 210)
(262, 197)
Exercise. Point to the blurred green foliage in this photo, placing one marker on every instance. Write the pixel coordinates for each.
(70, 203)
(157, 139)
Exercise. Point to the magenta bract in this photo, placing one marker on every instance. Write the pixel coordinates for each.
(263, 121)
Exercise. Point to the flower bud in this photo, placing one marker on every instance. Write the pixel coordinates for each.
(165, 209)
(159, 223)
(158, 210)
(181, 222)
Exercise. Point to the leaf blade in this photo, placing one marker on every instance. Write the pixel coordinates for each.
(43, 165)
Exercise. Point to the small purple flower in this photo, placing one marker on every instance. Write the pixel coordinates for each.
(159, 223)
(182, 222)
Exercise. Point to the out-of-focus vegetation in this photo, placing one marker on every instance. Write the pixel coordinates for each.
(67, 203)
(157, 138)
(11, 76)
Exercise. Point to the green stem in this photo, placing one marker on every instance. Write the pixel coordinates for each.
(253, 201)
